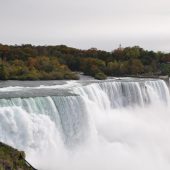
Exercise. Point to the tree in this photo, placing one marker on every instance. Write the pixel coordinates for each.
(165, 69)
(135, 66)
(3, 72)
(133, 52)
(113, 68)
(124, 68)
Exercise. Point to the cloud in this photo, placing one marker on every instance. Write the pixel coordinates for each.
(82, 23)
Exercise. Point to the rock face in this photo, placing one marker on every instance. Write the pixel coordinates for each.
(12, 159)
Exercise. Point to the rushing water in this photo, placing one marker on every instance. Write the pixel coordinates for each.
(105, 125)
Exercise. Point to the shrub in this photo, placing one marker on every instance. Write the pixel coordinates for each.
(100, 76)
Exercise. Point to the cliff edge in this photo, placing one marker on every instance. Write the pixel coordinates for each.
(12, 159)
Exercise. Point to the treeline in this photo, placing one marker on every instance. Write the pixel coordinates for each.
(27, 62)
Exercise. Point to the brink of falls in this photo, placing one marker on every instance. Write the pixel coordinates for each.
(89, 125)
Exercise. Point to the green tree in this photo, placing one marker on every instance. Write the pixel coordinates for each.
(132, 52)
(135, 66)
(3, 72)
(112, 68)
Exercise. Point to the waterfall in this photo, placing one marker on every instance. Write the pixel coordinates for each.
(68, 113)
(121, 94)
(118, 123)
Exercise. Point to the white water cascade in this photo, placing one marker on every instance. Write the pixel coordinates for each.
(105, 125)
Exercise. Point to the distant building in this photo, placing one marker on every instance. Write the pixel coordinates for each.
(120, 48)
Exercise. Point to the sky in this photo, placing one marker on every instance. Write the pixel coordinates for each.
(103, 24)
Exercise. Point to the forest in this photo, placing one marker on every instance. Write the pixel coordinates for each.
(28, 62)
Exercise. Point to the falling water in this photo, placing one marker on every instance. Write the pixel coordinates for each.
(105, 125)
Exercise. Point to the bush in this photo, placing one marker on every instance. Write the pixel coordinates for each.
(100, 76)
(71, 76)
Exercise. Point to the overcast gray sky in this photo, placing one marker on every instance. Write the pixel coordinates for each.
(103, 24)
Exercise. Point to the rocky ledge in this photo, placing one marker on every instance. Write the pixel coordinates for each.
(12, 159)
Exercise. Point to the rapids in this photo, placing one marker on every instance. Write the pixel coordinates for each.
(97, 125)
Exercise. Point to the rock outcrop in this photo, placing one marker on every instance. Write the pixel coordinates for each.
(12, 159)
